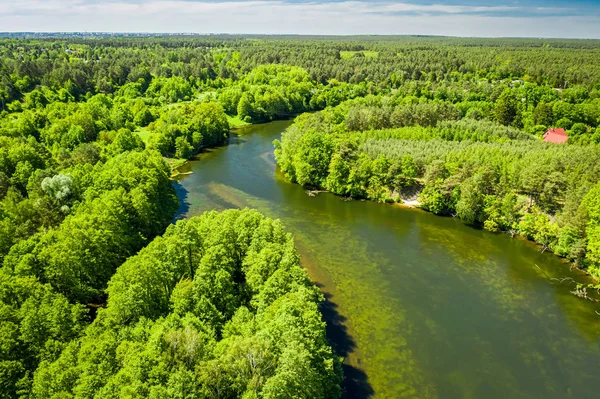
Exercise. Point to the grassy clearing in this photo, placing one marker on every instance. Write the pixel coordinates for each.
(175, 164)
(144, 134)
(235, 121)
(365, 53)
(210, 95)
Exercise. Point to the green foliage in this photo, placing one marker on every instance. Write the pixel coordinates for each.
(184, 130)
(218, 306)
(507, 109)
(170, 90)
(124, 140)
(183, 149)
(591, 205)
(36, 323)
(543, 114)
(269, 92)
(130, 200)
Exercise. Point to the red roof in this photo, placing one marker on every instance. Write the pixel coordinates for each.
(556, 135)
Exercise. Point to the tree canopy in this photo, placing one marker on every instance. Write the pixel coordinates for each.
(217, 307)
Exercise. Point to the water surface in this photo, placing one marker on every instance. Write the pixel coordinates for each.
(420, 306)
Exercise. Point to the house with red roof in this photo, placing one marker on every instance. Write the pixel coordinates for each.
(556, 135)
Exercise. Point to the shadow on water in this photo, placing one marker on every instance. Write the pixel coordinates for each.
(355, 384)
(184, 204)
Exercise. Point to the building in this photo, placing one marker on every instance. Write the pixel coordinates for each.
(556, 135)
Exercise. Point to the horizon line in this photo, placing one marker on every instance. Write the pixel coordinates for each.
(416, 35)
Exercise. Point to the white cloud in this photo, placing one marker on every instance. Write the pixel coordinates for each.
(279, 17)
(37, 6)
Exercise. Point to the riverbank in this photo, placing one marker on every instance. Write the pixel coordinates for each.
(177, 163)
(414, 204)
(236, 127)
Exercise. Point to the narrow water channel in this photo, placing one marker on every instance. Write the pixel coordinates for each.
(420, 306)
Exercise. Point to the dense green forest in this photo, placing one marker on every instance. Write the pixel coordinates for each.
(217, 307)
(95, 300)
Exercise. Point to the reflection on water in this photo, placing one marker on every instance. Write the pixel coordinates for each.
(419, 305)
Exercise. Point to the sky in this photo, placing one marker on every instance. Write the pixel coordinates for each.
(473, 18)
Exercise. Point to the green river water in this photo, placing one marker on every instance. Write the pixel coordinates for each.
(420, 306)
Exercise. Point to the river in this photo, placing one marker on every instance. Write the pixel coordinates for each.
(420, 306)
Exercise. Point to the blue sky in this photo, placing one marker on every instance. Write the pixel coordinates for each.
(502, 18)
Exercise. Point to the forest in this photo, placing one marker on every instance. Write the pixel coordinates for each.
(101, 295)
